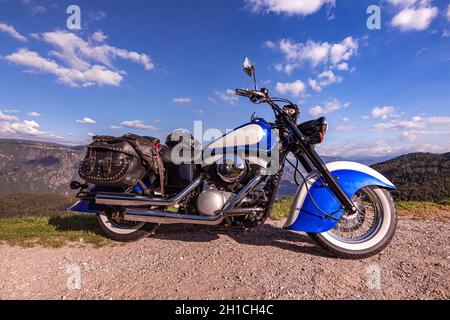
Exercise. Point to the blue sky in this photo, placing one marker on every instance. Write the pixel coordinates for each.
(149, 67)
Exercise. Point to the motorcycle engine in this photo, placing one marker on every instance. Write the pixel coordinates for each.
(212, 200)
(228, 176)
(231, 169)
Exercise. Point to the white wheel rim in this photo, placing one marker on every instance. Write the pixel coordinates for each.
(119, 230)
(376, 238)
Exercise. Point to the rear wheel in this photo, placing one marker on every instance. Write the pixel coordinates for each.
(366, 232)
(124, 231)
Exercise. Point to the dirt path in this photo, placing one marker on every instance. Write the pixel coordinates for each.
(207, 263)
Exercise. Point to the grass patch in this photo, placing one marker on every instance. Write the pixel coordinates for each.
(414, 205)
(34, 204)
(424, 210)
(281, 209)
(415, 209)
(53, 231)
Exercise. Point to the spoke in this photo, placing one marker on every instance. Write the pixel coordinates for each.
(361, 226)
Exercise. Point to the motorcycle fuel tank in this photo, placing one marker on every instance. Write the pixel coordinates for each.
(250, 139)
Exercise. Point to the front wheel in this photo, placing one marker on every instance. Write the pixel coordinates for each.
(124, 231)
(366, 232)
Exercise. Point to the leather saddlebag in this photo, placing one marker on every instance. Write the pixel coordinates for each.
(112, 162)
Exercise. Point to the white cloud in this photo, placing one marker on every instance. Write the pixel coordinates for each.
(22, 128)
(414, 135)
(114, 127)
(287, 68)
(12, 126)
(71, 76)
(448, 12)
(11, 111)
(404, 3)
(137, 124)
(414, 123)
(7, 117)
(75, 51)
(435, 125)
(12, 32)
(324, 79)
(34, 114)
(270, 44)
(342, 66)
(227, 96)
(87, 120)
(330, 106)
(289, 7)
(181, 100)
(315, 53)
(417, 18)
(382, 147)
(312, 52)
(99, 36)
(314, 84)
(344, 50)
(418, 134)
(295, 88)
(88, 64)
(439, 120)
(383, 112)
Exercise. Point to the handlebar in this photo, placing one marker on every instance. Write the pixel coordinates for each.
(251, 93)
(255, 96)
(259, 96)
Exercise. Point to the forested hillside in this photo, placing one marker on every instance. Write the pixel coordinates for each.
(419, 176)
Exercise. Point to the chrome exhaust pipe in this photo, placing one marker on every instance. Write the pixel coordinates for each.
(114, 199)
(171, 218)
(163, 217)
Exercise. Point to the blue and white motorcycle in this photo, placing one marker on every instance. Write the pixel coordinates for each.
(345, 206)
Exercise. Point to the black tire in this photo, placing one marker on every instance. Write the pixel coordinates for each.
(122, 233)
(378, 241)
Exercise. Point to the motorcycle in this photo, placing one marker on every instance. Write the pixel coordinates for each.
(134, 184)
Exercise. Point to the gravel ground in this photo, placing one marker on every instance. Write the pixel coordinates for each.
(185, 262)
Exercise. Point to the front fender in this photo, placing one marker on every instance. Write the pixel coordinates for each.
(351, 176)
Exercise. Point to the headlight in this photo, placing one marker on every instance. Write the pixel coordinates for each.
(323, 131)
(315, 130)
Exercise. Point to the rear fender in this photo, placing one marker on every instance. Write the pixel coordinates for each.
(351, 176)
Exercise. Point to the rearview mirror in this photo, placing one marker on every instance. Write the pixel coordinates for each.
(248, 67)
